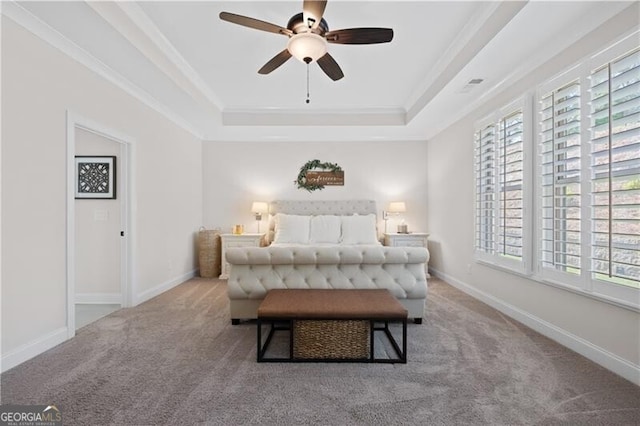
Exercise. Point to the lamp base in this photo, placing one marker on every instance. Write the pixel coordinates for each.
(403, 229)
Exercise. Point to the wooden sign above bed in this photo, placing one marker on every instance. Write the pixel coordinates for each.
(316, 174)
(325, 178)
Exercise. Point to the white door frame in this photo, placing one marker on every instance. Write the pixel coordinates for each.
(127, 153)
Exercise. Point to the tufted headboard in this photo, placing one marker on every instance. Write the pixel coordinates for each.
(316, 207)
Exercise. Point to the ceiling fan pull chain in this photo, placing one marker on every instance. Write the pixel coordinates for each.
(307, 82)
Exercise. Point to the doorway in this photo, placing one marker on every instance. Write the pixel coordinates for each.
(99, 247)
(98, 273)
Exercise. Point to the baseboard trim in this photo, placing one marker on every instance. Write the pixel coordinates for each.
(161, 288)
(36, 347)
(606, 359)
(99, 298)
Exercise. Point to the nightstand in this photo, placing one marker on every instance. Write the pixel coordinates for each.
(236, 240)
(415, 239)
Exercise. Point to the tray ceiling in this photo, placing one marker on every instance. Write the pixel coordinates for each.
(201, 72)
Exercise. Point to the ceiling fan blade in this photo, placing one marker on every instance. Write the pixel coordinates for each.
(313, 10)
(275, 62)
(360, 36)
(254, 23)
(330, 67)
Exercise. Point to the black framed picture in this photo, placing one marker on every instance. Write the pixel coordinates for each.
(96, 177)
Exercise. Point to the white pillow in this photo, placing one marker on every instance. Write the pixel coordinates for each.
(325, 229)
(359, 229)
(291, 229)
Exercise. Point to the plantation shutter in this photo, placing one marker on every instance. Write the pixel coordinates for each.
(485, 189)
(560, 149)
(510, 176)
(615, 170)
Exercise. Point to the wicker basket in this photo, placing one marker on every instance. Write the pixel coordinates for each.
(331, 339)
(209, 253)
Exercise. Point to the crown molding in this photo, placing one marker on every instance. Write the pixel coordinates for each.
(484, 27)
(464, 37)
(138, 29)
(319, 117)
(316, 133)
(31, 23)
(583, 26)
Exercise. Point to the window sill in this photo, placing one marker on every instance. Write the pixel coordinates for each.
(504, 268)
(562, 286)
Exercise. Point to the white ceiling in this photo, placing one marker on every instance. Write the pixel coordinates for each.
(201, 72)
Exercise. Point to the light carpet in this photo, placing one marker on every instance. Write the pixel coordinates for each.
(177, 360)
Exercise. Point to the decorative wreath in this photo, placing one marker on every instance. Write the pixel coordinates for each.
(314, 165)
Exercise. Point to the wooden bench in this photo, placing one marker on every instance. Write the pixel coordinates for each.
(321, 321)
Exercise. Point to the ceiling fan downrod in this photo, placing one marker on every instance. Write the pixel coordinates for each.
(308, 61)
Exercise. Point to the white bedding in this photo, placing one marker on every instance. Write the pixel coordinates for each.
(323, 229)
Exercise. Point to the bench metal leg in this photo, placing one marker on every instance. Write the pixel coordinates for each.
(401, 353)
(372, 339)
(273, 327)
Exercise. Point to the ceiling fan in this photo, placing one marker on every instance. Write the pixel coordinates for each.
(309, 34)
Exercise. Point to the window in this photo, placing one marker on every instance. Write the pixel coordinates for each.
(485, 189)
(583, 203)
(500, 177)
(510, 167)
(589, 183)
(615, 170)
(560, 193)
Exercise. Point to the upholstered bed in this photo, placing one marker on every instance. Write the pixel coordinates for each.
(325, 244)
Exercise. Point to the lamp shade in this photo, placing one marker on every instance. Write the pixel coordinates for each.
(259, 207)
(307, 45)
(397, 207)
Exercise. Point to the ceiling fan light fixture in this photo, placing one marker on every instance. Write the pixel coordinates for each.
(307, 45)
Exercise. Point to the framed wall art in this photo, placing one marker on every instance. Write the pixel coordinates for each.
(95, 177)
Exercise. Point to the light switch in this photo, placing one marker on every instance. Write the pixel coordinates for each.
(101, 215)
